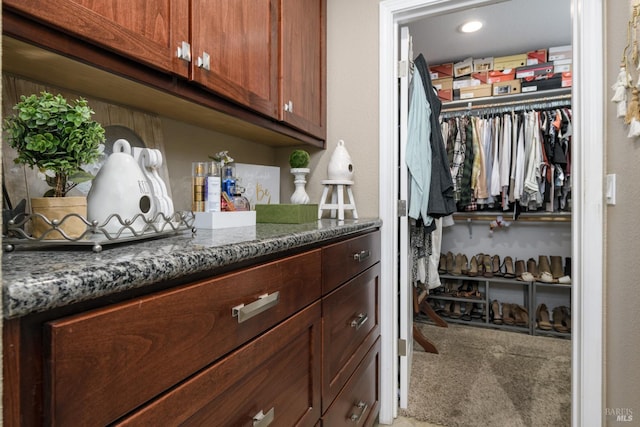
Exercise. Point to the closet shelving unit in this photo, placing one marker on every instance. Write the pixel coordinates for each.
(518, 102)
(484, 286)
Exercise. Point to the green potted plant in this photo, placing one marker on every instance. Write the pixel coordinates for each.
(299, 160)
(57, 138)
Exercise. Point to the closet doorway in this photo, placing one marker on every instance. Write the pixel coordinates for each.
(587, 214)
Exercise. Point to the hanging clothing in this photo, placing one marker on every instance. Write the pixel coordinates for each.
(441, 201)
(418, 157)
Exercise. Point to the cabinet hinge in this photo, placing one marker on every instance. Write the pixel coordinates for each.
(402, 208)
(403, 68)
(402, 347)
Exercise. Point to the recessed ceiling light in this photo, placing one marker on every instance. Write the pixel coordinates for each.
(470, 26)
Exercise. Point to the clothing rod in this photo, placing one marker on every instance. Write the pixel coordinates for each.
(538, 103)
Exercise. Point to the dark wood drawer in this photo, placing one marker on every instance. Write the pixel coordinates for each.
(104, 363)
(358, 403)
(351, 324)
(341, 261)
(277, 374)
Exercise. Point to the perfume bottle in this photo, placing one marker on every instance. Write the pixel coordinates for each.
(212, 188)
(229, 181)
(198, 177)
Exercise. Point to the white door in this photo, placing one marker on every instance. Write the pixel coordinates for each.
(405, 284)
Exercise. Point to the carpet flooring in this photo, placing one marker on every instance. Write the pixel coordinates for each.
(486, 377)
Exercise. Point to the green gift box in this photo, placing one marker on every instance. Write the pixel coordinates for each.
(286, 213)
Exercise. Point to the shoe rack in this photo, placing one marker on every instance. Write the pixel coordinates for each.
(460, 293)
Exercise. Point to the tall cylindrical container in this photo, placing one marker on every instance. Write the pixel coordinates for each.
(212, 188)
(198, 177)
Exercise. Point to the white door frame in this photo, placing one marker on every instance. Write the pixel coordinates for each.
(587, 198)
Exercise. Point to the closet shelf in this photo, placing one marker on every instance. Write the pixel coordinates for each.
(523, 217)
(507, 100)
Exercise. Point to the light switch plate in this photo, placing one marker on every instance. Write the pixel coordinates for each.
(611, 189)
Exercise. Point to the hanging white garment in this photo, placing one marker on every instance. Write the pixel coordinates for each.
(433, 278)
(495, 173)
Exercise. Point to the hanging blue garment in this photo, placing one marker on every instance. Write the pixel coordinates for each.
(418, 150)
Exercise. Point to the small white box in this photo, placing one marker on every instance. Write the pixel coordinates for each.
(213, 220)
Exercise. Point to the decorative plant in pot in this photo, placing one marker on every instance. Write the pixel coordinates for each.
(57, 138)
(299, 160)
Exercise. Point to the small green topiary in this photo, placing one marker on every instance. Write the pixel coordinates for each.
(299, 159)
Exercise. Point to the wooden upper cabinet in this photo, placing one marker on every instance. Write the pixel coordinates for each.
(235, 50)
(148, 31)
(303, 56)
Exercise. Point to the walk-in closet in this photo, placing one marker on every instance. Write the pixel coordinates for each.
(495, 274)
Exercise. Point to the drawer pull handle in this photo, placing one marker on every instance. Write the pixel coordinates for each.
(262, 420)
(355, 418)
(361, 256)
(359, 321)
(264, 302)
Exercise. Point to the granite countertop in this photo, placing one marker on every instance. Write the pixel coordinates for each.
(43, 279)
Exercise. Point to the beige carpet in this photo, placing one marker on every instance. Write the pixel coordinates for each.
(486, 377)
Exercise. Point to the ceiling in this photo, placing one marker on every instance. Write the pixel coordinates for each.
(510, 27)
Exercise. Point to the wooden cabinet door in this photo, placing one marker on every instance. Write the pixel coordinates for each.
(303, 56)
(235, 51)
(148, 31)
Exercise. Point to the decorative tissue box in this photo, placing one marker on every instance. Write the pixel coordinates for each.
(213, 220)
(286, 214)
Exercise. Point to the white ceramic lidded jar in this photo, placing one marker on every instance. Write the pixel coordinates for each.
(120, 187)
(340, 167)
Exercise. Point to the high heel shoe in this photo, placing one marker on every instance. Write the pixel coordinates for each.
(520, 315)
(542, 318)
(508, 268)
(486, 265)
(532, 268)
(442, 266)
(495, 265)
(457, 266)
(496, 317)
(464, 267)
(473, 267)
(468, 307)
(519, 269)
(566, 318)
(556, 267)
(455, 310)
(450, 262)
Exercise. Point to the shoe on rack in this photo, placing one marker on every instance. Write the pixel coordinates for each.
(457, 265)
(442, 266)
(519, 268)
(495, 265)
(566, 317)
(473, 267)
(486, 265)
(542, 317)
(480, 261)
(455, 312)
(509, 272)
(567, 266)
(464, 266)
(558, 320)
(521, 315)
(543, 265)
(496, 317)
(532, 268)
(468, 307)
(446, 309)
(557, 270)
(477, 312)
(450, 262)
(508, 316)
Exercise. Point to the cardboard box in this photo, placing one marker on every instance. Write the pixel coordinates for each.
(441, 71)
(443, 84)
(506, 88)
(562, 66)
(537, 56)
(445, 95)
(508, 62)
(540, 83)
(214, 220)
(534, 70)
(465, 82)
(481, 75)
(560, 52)
(501, 76)
(463, 68)
(478, 91)
(286, 214)
(483, 64)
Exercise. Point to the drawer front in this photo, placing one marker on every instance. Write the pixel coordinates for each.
(343, 260)
(358, 403)
(350, 326)
(114, 359)
(276, 375)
